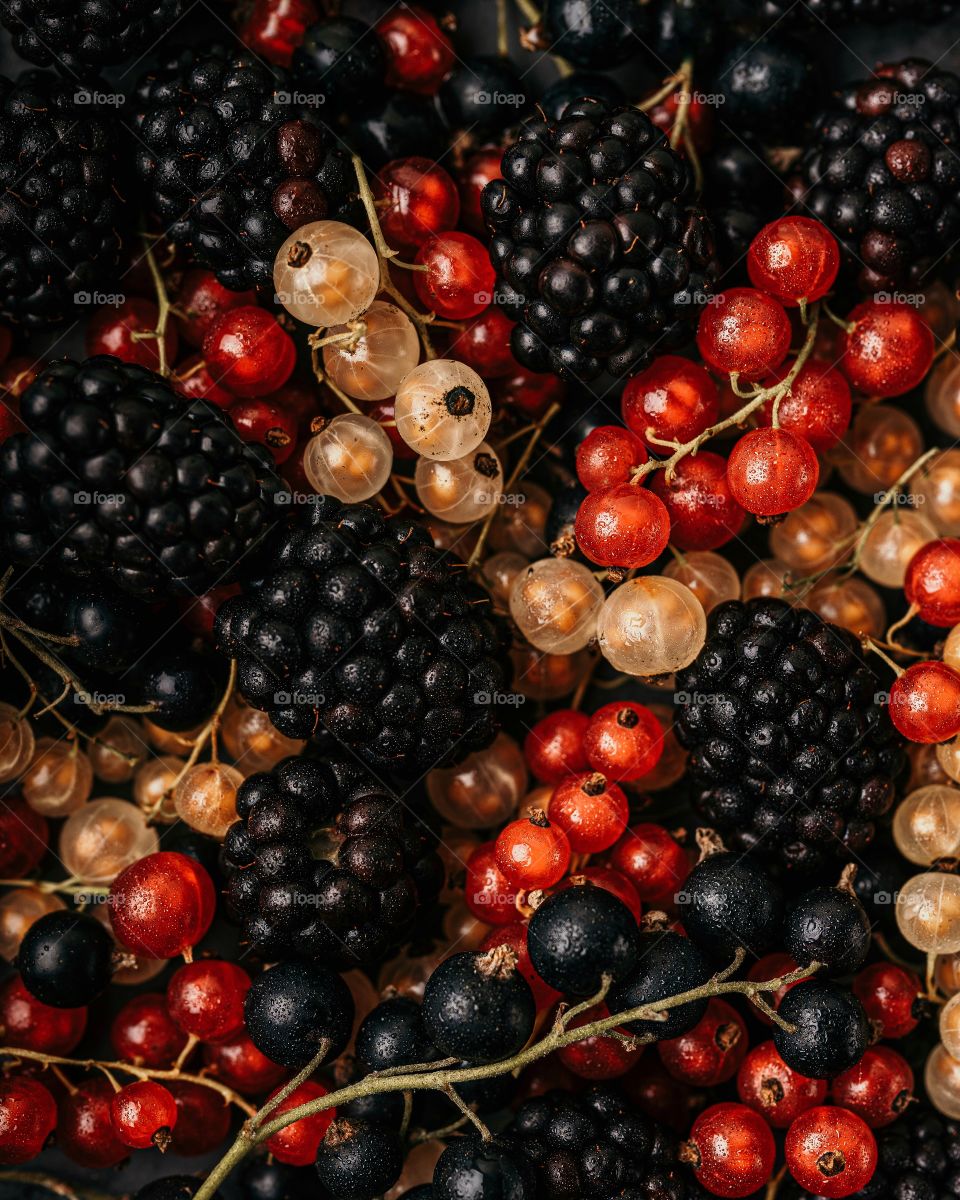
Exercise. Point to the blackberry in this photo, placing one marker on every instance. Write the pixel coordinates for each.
(792, 749)
(881, 170)
(120, 478)
(62, 212)
(322, 865)
(599, 248)
(838, 13)
(228, 164)
(79, 38)
(360, 627)
(595, 1143)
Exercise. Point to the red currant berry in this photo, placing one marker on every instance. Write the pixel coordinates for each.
(28, 1115)
(533, 852)
(623, 526)
(661, 1097)
(297, 1144)
(772, 966)
(711, 1051)
(515, 936)
(10, 422)
(143, 1114)
(794, 259)
(418, 200)
(744, 332)
(203, 1118)
(932, 582)
(778, 1093)
(888, 351)
(700, 118)
(161, 905)
(485, 345)
(654, 862)
(260, 420)
(240, 1065)
(480, 169)
(28, 1024)
(203, 298)
(817, 407)
(192, 379)
(590, 811)
(674, 399)
(614, 881)
(925, 702)
(419, 53)
(597, 1057)
(830, 1152)
(703, 513)
(385, 415)
(878, 1088)
(24, 835)
(275, 28)
(607, 456)
(6, 343)
(85, 1130)
(489, 894)
(205, 999)
(248, 352)
(459, 279)
(111, 331)
(624, 740)
(142, 1033)
(771, 471)
(198, 615)
(531, 393)
(891, 997)
(731, 1149)
(554, 746)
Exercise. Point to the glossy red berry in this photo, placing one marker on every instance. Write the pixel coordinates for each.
(162, 905)
(530, 392)
(817, 407)
(275, 28)
(489, 894)
(203, 1118)
(85, 1131)
(888, 351)
(248, 352)
(192, 379)
(419, 53)
(744, 332)
(674, 399)
(591, 812)
(28, 1115)
(771, 471)
(932, 582)
(28, 1024)
(878, 1088)
(623, 526)
(384, 413)
(731, 1149)
(711, 1051)
(532, 852)
(240, 1065)
(597, 1057)
(485, 345)
(703, 512)
(480, 169)
(297, 1144)
(203, 298)
(24, 835)
(418, 200)
(144, 1034)
(112, 330)
(258, 419)
(794, 259)
(925, 702)
(612, 880)
(515, 936)
(654, 862)
(205, 999)
(830, 1152)
(624, 740)
(891, 997)
(772, 966)
(778, 1093)
(554, 746)
(459, 278)
(607, 456)
(143, 1114)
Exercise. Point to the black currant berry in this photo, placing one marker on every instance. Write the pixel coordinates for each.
(765, 83)
(578, 935)
(294, 1007)
(478, 1006)
(831, 1030)
(828, 925)
(729, 902)
(66, 959)
(668, 965)
(358, 1160)
(341, 60)
(392, 1035)
(265, 1180)
(172, 1187)
(470, 1169)
(181, 688)
(596, 35)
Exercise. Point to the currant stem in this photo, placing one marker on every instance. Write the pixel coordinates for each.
(57, 1187)
(163, 309)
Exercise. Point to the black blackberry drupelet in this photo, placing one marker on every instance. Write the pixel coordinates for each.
(791, 745)
(815, 14)
(78, 37)
(61, 207)
(600, 251)
(229, 165)
(120, 479)
(323, 865)
(362, 628)
(881, 169)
